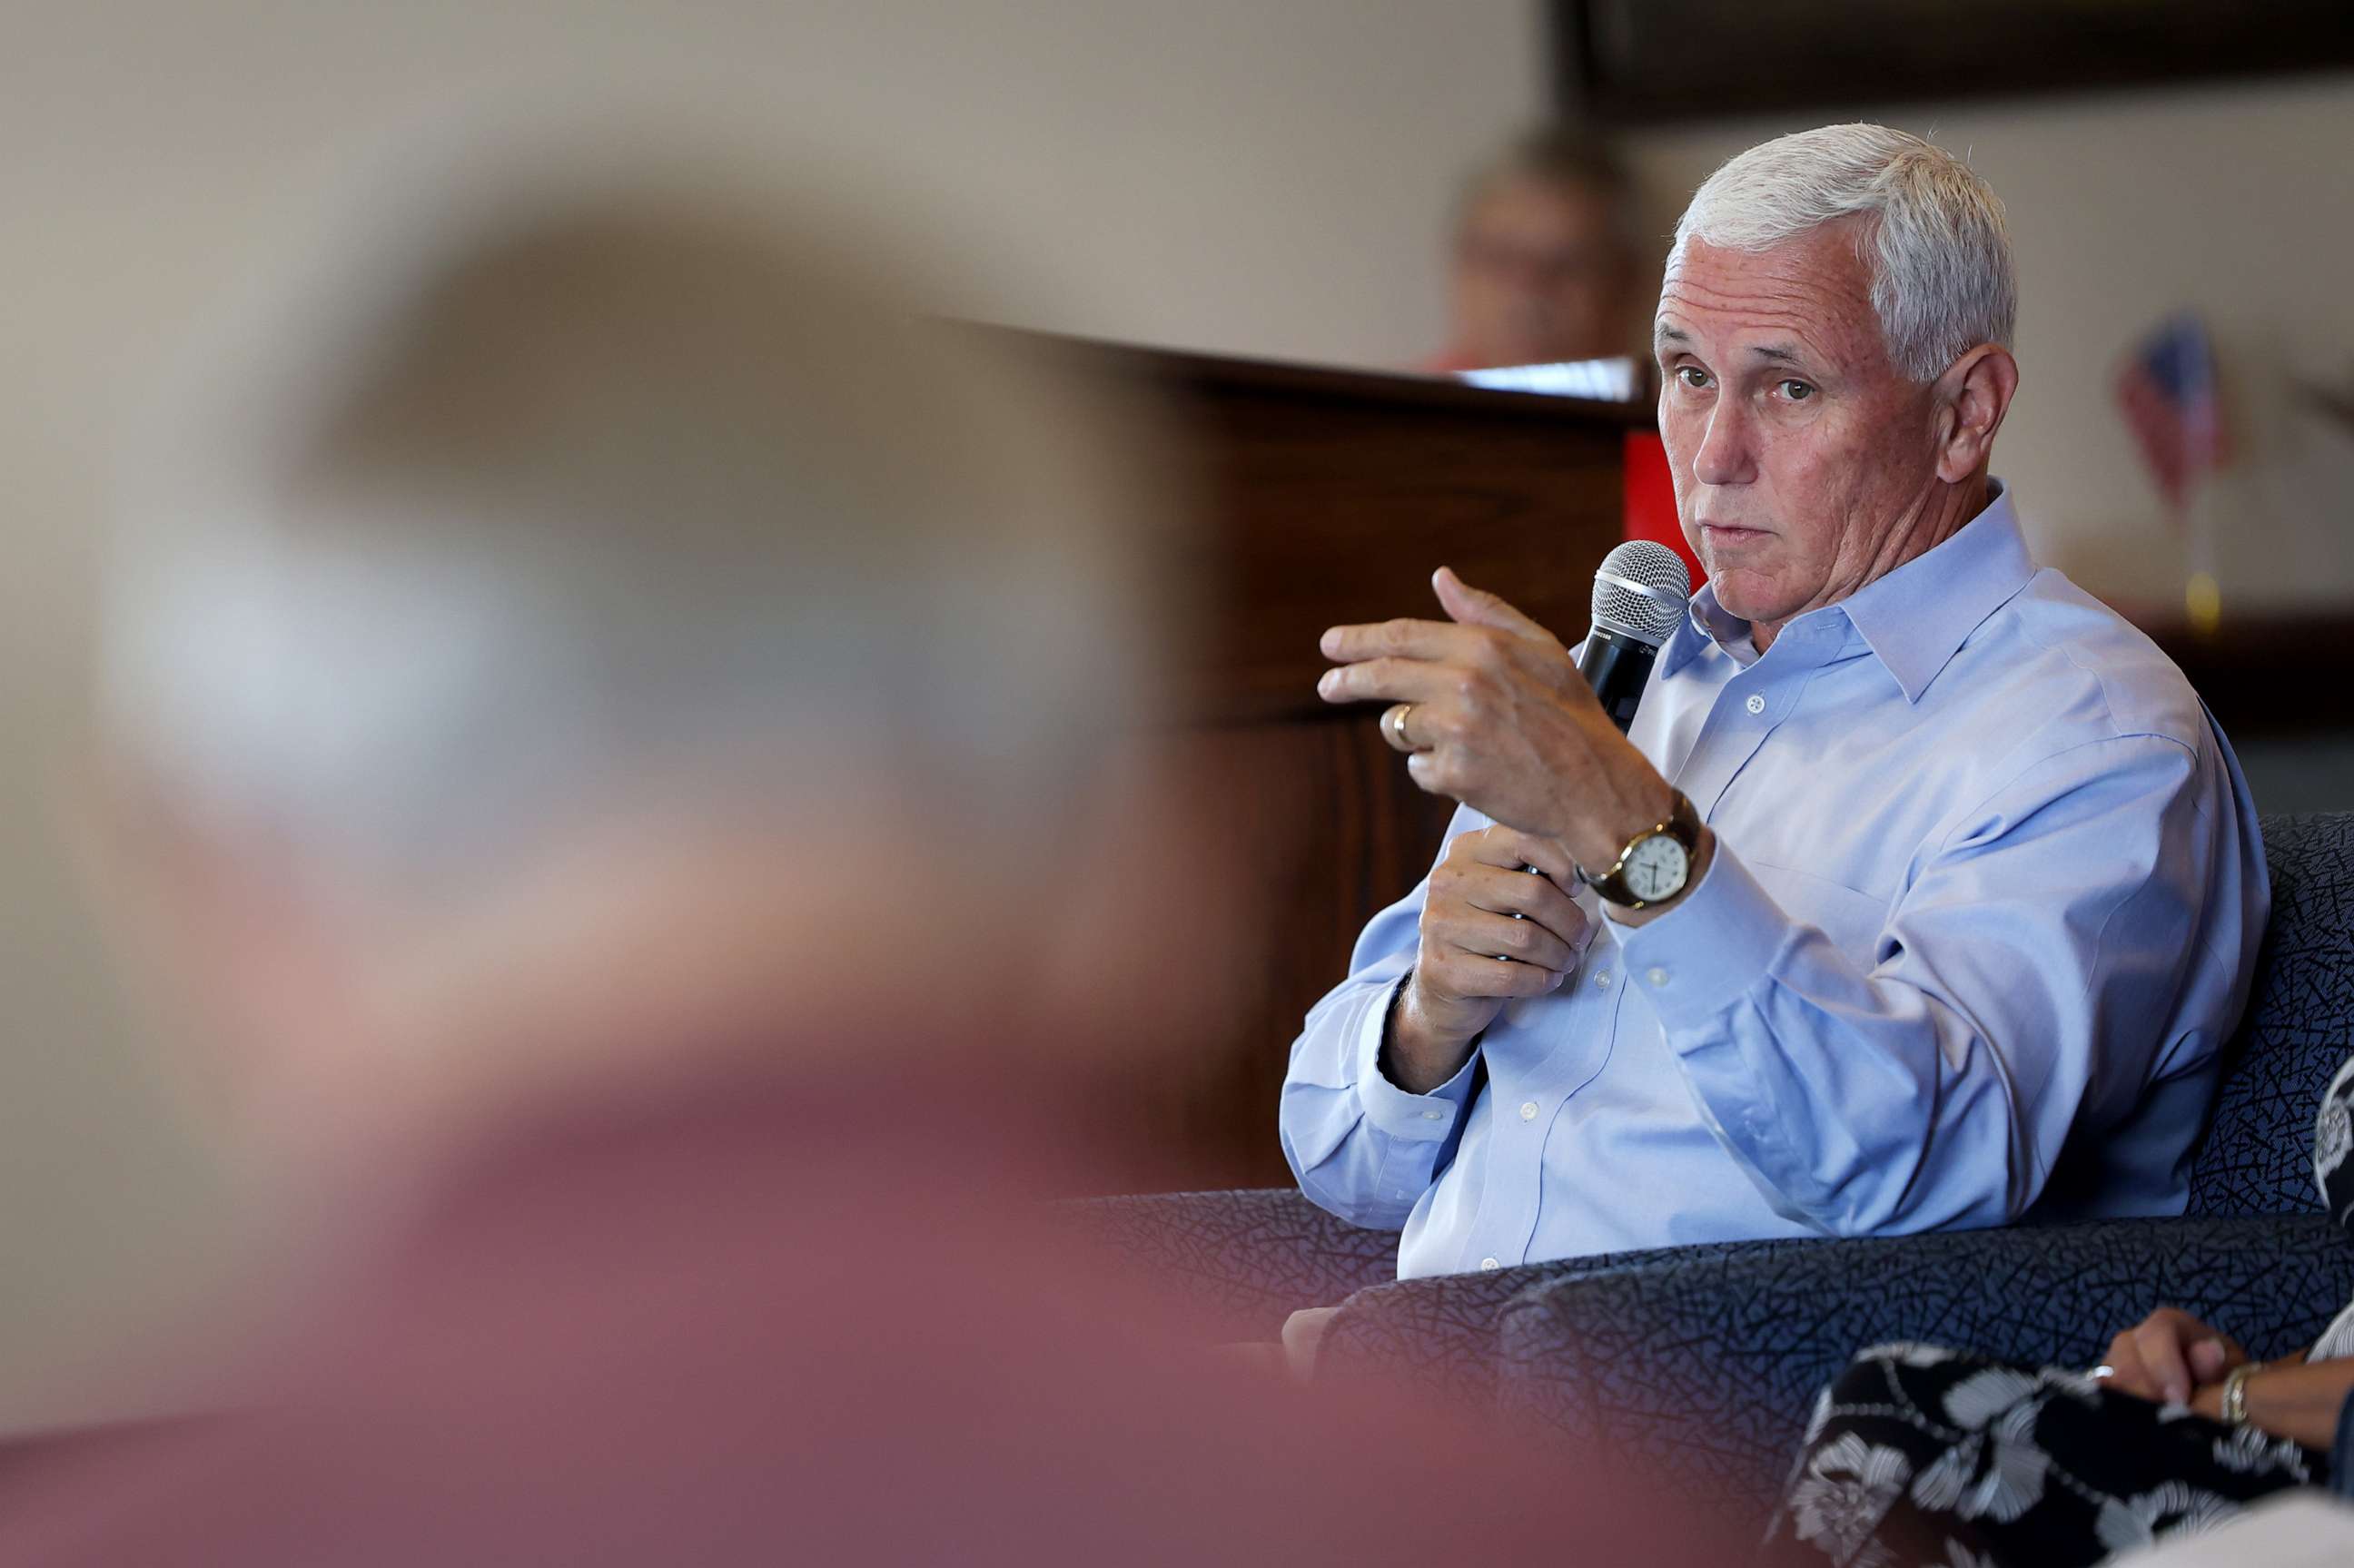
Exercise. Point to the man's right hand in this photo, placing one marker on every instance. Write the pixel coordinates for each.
(1459, 985)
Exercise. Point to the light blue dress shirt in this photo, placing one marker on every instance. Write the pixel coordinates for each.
(1987, 892)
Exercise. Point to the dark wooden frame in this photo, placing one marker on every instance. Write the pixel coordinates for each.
(1621, 62)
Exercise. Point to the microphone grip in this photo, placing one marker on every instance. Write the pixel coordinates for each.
(1618, 667)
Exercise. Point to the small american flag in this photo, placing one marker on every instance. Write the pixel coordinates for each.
(2168, 391)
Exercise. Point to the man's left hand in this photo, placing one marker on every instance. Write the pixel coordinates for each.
(1494, 715)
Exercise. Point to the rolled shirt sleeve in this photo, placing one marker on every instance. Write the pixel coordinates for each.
(2020, 978)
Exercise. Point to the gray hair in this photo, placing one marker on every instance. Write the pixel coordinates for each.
(573, 495)
(1932, 235)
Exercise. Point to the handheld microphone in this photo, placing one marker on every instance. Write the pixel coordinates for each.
(1640, 593)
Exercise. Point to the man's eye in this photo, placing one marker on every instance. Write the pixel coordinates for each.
(1797, 391)
(1692, 376)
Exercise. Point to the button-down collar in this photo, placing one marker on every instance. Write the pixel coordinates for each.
(1914, 618)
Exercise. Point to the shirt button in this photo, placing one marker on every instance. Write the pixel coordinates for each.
(1489, 1263)
(1529, 1110)
(1657, 977)
(1602, 979)
(1755, 704)
(1434, 1116)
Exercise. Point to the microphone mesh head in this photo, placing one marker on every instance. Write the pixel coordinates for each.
(1643, 591)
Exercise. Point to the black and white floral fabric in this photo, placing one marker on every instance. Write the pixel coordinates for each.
(1920, 1455)
(2333, 1169)
(1925, 1456)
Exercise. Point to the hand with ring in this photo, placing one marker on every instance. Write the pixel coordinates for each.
(1489, 709)
(1393, 728)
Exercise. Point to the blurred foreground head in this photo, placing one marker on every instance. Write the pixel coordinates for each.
(586, 615)
(610, 639)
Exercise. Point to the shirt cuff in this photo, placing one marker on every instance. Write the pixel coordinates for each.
(1420, 1118)
(1709, 951)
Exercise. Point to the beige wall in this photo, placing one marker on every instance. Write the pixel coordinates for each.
(2236, 201)
(1227, 173)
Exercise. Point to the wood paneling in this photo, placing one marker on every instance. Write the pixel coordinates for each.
(1326, 497)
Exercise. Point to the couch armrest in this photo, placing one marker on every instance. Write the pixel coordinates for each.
(1708, 1369)
(1240, 1262)
(1438, 1334)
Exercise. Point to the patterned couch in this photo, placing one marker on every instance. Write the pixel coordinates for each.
(1707, 1358)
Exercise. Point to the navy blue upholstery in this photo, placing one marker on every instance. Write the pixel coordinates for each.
(1708, 1367)
(1710, 1363)
(2257, 1155)
(1240, 1262)
(1439, 1334)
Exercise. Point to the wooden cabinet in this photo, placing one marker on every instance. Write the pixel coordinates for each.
(1329, 496)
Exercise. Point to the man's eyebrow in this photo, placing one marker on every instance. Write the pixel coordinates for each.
(1776, 353)
(1663, 333)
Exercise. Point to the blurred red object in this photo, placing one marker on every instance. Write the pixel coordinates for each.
(1651, 505)
(823, 1321)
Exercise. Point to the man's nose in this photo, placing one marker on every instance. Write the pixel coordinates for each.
(1724, 457)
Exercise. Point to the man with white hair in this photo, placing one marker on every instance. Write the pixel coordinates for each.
(1922, 892)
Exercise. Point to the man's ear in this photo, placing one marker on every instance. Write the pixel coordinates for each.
(1973, 396)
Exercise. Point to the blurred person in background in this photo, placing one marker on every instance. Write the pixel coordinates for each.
(1546, 264)
(583, 688)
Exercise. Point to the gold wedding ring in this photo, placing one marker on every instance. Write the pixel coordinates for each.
(1394, 728)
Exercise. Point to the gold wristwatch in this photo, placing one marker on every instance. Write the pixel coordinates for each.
(1656, 864)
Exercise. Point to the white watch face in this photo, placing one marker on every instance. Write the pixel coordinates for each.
(1656, 868)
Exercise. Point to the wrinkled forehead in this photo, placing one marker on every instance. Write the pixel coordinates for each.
(1812, 291)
